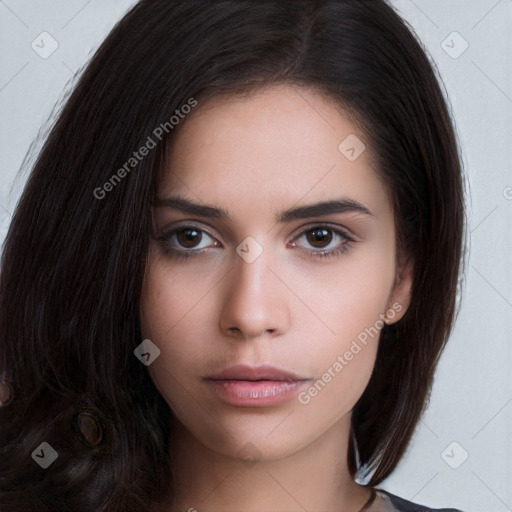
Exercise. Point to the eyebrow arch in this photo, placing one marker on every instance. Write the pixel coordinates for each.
(342, 205)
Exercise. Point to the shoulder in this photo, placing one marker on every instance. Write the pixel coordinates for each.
(397, 504)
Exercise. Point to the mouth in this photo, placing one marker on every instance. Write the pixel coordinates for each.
(255, 386)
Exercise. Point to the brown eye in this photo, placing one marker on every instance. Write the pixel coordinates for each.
(317, 237)
(188, 237)
(325, 241)
(186, 241)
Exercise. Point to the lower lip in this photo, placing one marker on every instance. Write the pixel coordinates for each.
(246, 393)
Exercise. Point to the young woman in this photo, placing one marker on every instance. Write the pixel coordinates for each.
(234, 266)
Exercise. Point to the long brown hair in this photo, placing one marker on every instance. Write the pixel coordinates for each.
(73, 262)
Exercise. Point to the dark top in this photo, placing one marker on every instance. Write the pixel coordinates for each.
(387, 502)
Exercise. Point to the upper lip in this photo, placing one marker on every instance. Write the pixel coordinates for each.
(253, 373)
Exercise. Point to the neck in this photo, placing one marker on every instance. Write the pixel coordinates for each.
(314, 478)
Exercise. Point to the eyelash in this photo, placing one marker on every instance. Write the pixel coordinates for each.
(186, 254)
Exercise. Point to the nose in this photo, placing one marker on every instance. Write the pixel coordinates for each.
(254, 300)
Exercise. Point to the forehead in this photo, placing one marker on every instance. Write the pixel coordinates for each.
(282, 145)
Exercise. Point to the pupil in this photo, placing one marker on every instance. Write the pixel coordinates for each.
(187, 236)
(318, 235)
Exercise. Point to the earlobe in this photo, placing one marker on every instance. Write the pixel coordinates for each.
(400, 296)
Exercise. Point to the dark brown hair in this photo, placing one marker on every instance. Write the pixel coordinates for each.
(73, 263)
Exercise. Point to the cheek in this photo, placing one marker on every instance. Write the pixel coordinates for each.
(169, 297)
(349, 298)
(341, 360)
(172, 308)
(343, 345)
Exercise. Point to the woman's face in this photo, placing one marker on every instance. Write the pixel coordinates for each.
(252, 288)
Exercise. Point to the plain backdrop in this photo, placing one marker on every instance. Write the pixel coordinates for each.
(461, 454)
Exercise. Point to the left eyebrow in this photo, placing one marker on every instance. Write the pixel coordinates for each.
(324, 208)
(342, 205)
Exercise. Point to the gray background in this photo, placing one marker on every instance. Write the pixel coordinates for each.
(471, 403)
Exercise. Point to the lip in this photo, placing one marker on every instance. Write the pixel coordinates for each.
(255, 386)
(253, 373)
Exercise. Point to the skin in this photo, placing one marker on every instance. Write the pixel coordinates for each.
(256, 156)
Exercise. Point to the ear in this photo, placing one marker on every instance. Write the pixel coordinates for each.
(400, 297)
